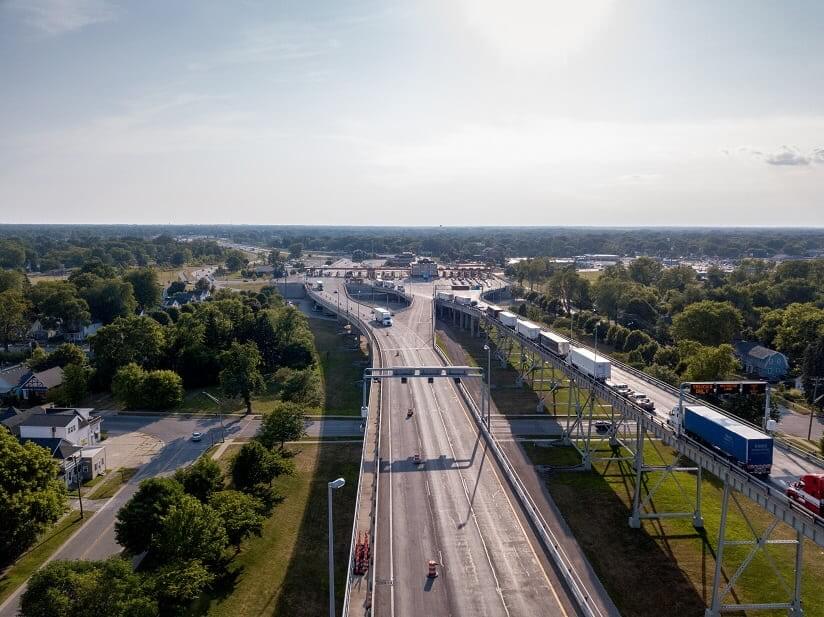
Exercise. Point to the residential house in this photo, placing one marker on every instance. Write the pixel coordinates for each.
(40, 332)
(78, 426)
(72, 436)
(11, 377)
(39, 384)
(185, 297)
(84, 332)
(759, 360)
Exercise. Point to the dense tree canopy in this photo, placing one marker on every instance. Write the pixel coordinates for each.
(31, 495)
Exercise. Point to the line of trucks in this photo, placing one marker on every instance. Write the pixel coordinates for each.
(384, 284)
(742, 444)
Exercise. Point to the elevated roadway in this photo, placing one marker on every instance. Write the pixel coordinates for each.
(455, 507)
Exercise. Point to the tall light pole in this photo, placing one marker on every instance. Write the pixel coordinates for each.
(217, 402)
(334, 484)
(488, 351)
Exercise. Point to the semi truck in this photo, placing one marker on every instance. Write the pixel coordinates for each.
(808, 492)
(507, 318)
(742, 444)
(584, 360)
(554, 343)
(383, 316)
(464, 300)
(493, 310)
(319, 285)
(527, 329)
(445, 296)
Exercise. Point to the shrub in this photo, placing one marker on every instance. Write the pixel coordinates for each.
(635, 339)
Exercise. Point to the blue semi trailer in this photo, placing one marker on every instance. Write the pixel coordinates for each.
(746, 446)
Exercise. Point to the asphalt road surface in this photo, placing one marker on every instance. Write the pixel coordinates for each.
(452, 508)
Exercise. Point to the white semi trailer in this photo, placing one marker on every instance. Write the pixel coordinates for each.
(527, 329)
(383, 316)
(584, 360)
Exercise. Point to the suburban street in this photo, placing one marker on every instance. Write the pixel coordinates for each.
(173, 434)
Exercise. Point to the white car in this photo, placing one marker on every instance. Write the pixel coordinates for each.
(197, 436)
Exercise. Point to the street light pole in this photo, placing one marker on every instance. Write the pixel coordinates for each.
(334, 484)
(217, 402)
(488, 387)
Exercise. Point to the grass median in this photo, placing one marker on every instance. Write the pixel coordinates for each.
(596, 505)
(111, 483)
(48, 542)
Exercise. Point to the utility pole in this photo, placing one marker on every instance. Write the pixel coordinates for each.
(77, 479)
(816, 381)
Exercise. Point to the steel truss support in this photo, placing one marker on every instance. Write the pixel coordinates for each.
(640, 506)
(721, 590)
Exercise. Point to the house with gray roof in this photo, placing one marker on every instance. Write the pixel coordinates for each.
(761, 361)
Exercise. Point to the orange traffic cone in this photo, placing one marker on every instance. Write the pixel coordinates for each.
(433, 573)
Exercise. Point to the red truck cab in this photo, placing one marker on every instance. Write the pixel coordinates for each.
(808, 492)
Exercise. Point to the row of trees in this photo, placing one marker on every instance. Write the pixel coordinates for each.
(46, 251)
(185, 524)
(234, 340)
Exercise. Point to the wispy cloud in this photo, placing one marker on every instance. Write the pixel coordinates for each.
(59, 16)
(786, 155)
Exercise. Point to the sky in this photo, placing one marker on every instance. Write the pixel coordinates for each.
(466, 112)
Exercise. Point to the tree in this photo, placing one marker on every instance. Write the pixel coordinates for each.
(255, 464)
(31, 495)
(176, 287)
(12, 280)
(109, 299)
(87, 589)
(664, 373)
(12, 254)
(190, 530)
(139, 520)
(812, 366)
(240, 513)
(800, 324)
(65, 354)
(75, 384)
(201, 479)
(710, 363)
(13, 322)
(677, 278)
(240, 375)
(235, 261)
(295, 250)
(57, 304)
(358, 255)
(162, 389)
(146, 286)
(645, 270)
(127, 339)
(635, 339)
(178, 583)
(286, 422)
(708, 322)
(127, 385)
(607, 293)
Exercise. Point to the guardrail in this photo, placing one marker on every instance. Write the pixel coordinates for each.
(755, 489)
(562, 561)
(662, 385)
(362, 326)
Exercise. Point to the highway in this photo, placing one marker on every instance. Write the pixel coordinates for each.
(453, 508)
